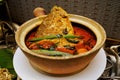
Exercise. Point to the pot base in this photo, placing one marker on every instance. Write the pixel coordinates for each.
(56, 74)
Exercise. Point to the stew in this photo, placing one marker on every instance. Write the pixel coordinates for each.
(82, 41)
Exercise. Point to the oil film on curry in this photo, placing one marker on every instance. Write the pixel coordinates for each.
(58, 36)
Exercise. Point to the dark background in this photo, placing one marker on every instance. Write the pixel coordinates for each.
(105, 12)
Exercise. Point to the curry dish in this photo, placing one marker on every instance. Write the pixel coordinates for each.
(58, 36)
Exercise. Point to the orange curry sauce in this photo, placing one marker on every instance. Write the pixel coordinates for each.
(85, 44)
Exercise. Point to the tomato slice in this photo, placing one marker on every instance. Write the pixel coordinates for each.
(62, 49)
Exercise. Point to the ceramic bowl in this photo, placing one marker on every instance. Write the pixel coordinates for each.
(61, 65)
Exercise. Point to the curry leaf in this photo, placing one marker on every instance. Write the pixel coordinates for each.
(6, 60)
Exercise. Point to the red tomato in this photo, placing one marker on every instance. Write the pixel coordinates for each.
(65, 50)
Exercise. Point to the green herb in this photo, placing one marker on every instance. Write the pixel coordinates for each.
(51, 53)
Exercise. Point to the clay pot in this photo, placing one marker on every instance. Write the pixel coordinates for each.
(61, 65)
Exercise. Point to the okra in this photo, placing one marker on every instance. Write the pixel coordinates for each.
(51, 53)
(54, 37)
(45, 37)
(71, 36)
(73, 41)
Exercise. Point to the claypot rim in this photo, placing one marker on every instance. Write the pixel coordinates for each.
(74, 18)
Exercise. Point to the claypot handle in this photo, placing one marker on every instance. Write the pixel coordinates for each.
(38, 11)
